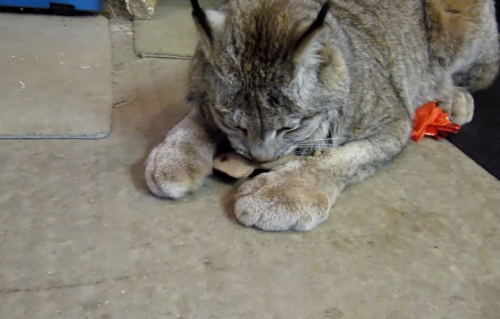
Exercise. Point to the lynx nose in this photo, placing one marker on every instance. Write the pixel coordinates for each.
(262, 155)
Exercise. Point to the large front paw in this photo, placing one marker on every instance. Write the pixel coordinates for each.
(174, 170)
(287, 198)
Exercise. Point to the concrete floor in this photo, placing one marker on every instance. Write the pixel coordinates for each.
(80, 236)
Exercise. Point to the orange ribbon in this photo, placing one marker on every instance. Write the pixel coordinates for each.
(430, 120)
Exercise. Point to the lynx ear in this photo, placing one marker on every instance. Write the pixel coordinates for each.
(310, 46)
(210, 24)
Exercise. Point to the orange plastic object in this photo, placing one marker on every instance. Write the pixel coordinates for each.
(430, 120)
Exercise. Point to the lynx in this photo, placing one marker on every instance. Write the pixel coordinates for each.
(272, 77)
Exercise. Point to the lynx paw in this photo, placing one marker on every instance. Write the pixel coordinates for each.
(174, 170)
(283, 199)
(460, 106)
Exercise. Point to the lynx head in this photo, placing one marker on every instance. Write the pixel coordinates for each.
(274, 73)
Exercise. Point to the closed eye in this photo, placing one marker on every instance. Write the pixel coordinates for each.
(235, 128)
(241, 129)
(287, 129)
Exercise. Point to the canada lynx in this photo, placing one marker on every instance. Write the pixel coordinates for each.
(272, 77)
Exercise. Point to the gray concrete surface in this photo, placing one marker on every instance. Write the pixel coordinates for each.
(170, 32)
(55, 77)
(82, 238)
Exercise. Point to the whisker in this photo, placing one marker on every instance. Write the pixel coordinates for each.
(325, 139)
(314, 144)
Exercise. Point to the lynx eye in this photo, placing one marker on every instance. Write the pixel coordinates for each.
(239, 128)
(287, 129)
(243, 130)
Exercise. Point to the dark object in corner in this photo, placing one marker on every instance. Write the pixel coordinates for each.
(480, 139)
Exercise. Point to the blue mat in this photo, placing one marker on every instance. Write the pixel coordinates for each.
(80, 5)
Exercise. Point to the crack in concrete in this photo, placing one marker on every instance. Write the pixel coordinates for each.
(65, 286)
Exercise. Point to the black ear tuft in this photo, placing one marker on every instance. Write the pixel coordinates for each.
(200, 16)
(317, 24)
(196, 5)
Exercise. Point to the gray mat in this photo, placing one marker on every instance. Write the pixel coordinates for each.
(55, 77)
(171, 32)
